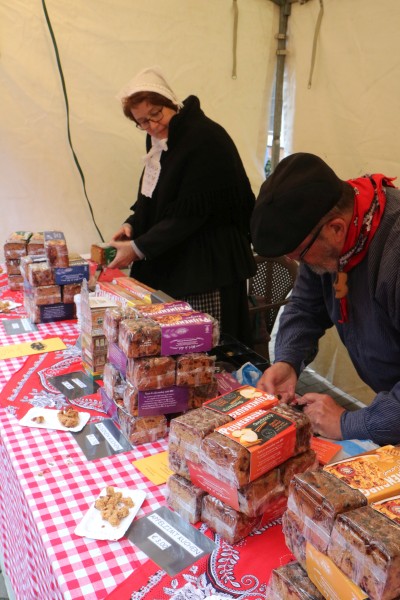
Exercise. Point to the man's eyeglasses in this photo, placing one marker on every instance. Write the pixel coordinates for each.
(154, 117)
(312, 241)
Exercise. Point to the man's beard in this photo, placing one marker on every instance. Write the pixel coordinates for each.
(322, 270)
(329, 262)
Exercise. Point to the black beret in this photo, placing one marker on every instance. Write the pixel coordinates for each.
(301, 190)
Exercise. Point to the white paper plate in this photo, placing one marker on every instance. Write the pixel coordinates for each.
(11, 306)
(95, 527)
(51, 420)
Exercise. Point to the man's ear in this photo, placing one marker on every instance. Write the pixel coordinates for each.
(337, 229)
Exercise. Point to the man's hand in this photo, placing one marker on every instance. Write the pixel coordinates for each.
(323, 413)
(125, 255)
(123, 234)
(279, 379)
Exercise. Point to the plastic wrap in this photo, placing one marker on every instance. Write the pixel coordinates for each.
(317, 498)
(227, 522)
(292, 528)
(255, 497)
(140, 430)
(202, 393)
(139, 337)
(184, 498)
(15, 245)
(55, 248)
(45, 294)
(365, 545)
(291, 582)
(112, 381)
(153, 372)
(195, 369)
(255, 444)
(188, 430)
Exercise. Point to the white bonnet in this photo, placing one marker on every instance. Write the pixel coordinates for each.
(149, 80)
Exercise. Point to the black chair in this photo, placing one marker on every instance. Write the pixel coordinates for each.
(268, 292)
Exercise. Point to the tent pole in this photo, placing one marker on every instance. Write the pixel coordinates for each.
(284, 12)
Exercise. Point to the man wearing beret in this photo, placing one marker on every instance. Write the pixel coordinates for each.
(346, 236)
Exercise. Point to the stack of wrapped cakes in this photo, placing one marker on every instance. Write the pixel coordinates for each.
(343, 526)
(157, 364)
(233, 459)
(50, 276)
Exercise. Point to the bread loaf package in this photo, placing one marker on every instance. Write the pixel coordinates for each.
(187, 431)
(230, 524)
(316, 498)
(69, 291)
(44, 294)
(194, 369)
(376, 473)
(13, 266)
(112, 380)
(151, 372)
(292, 527)
(139, 337)
(140, 430)
(112, 319)
(199, 394)
(36, 244)
(16, 282)
(184, 498)
(249, 446)
(255, 497)
(15, 245)
(102, 253)
(365, 545)
(163, 308)
(291, 582)
(37, 271)
(55, 247)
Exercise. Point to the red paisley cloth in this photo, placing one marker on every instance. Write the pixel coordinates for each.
(369, 206)
(241, 571)
(31, 385)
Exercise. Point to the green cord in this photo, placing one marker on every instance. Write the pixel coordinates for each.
(68, 121)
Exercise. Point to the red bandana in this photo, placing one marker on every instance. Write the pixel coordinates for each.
(369, 206)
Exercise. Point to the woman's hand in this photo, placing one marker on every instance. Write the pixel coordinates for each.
(124, 233)
(125, 255)
(279, 379)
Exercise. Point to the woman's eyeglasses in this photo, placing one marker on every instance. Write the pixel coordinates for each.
(312, 241)
(154, 117)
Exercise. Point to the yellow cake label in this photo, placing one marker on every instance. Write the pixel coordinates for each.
(329, 579)
(376, 474)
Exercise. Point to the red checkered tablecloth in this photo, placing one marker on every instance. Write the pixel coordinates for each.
(46, 486)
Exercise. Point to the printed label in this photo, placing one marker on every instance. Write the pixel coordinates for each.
(176, 535)
(241, 401)
(376, 474)
(329, 579)
(115, 445)
(268, 436)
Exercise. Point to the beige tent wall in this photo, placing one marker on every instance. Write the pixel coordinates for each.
(349, 115)
(102, 45)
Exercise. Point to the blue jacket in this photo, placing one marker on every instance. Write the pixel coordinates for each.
(371, 335)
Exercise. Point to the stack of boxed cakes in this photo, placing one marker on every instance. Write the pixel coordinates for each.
(18, 245)
(343, 526)
(51, 278)
(233, 459)
(157, 364)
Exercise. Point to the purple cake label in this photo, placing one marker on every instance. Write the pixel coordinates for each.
(117, 358)
(164, 401)
(191, 332)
